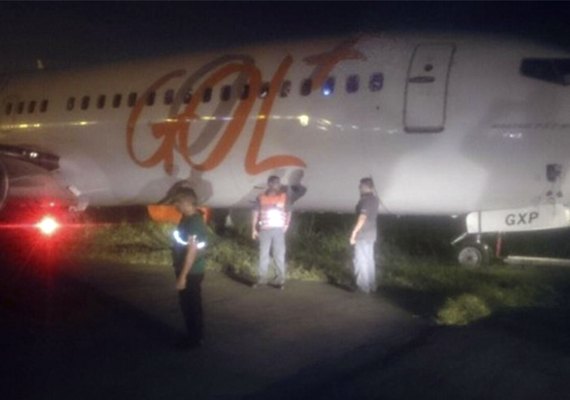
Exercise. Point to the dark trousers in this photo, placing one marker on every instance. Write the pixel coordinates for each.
(191, 305)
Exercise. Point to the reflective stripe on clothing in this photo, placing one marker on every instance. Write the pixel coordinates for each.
(273, 210)
(199, 245)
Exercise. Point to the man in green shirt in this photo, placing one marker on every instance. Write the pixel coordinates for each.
(189, 263)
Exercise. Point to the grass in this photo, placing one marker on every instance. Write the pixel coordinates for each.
(318, 250)
(127, 243)
(452, 295)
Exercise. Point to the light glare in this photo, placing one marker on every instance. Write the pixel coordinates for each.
(48, 225)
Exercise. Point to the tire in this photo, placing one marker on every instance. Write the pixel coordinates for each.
(474, 255)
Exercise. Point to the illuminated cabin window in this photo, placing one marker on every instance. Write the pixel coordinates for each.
(8, 109)
(226, 93)
(117, 100)
(264, 90)
(85, 102)
(150, 98)
(20, 108)
(101, 101)
(43, 106)
(31, 106)
(376, 82)
(328, 86)
(187, 97)
(285, 89)
(306, 87)
(245, 92)
(70, 104)
(352, 84)
(207, 95)
(169, 97)
(554, 70)
(132, 99)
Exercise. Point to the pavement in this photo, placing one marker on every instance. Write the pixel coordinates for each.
(94, 331)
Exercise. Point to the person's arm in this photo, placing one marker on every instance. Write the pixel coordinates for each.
(191, 251)
(287, 220)
(254, 218)
(359, 224)
(287, 212)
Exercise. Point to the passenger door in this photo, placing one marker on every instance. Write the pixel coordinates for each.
(426, 88)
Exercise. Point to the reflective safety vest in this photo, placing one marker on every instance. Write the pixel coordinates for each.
(272, 212)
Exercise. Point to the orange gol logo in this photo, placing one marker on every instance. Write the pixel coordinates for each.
(174, 134)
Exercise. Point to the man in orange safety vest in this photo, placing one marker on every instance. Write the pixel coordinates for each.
(270, 221)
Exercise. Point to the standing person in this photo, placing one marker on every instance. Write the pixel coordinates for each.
(364, 235)
(270, 221)
(189, 264)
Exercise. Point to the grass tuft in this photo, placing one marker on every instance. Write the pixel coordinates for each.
(462, 310)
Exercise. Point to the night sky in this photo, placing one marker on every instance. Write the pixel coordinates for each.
(66, 34)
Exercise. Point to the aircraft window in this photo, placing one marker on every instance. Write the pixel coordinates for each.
(132, 100)
(9, 108)
(101, 101)
(187, 97)
(85, 102)
(31, 107)
(264, 90)
(43, 106)
(306, 87)
(20, 107)
(150, 98)
(328, 86)
(554, 70)
(285, 89)
(352, 83)
(245, 92)
(168, 97)
(226, 93)
(117, 100)
(70, 103)
(376, 82)
(207, 95)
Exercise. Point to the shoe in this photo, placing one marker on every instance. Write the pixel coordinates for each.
(280, 286)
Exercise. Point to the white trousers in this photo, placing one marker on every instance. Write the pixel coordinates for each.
(272, 239)
(364, 265)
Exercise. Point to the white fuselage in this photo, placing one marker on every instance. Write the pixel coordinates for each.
(443, 124)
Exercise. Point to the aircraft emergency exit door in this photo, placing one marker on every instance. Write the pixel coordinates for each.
(426, 88)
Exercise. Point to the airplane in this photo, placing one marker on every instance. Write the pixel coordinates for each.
(469, 126)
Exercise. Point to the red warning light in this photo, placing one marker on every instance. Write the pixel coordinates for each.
(48, 225)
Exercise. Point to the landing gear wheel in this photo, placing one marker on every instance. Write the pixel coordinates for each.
(473, 255)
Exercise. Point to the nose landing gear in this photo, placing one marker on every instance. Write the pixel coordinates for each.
(474, 254)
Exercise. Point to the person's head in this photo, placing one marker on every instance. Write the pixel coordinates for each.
(366, 185)
(274, 183)
(185, 201)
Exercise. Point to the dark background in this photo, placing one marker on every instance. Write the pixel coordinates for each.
(67, 34)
